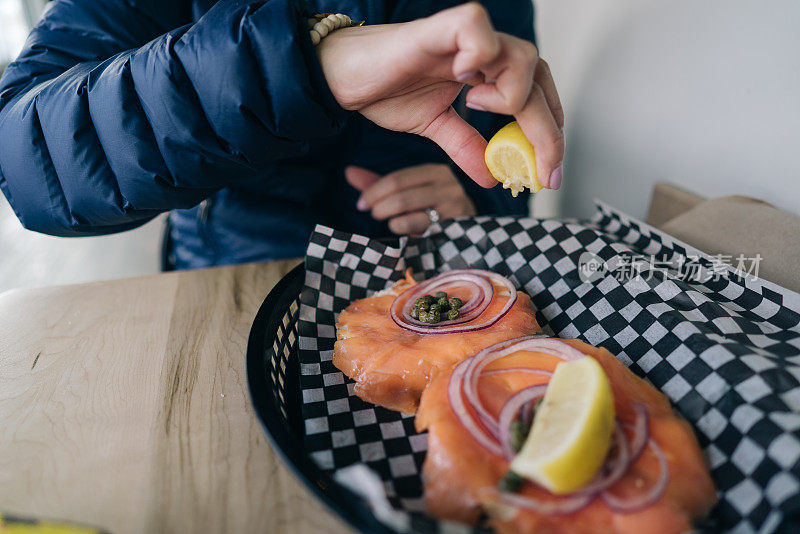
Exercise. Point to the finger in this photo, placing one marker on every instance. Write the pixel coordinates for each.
(410, 224)
(462, 143)
(544, 79)
(477, 78)
(415, 199)
(360, 178)
(541, 129)
(397, 182)
(465, 31)
(513, 73)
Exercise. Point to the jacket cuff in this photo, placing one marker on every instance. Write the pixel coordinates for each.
(319, 85)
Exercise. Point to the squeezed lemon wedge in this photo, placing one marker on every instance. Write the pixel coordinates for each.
(511, 159)
(572, 430)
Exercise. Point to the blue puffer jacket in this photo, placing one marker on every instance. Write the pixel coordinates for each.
(118, 110)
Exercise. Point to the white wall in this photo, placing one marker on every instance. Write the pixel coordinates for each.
(702, 93)
(13, 30)
(28, 259)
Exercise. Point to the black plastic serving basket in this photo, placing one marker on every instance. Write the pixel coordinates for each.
(273, 376)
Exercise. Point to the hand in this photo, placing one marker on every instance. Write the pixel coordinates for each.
(404, 77)
(403, 196)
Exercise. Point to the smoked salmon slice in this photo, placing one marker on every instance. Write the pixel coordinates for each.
(461, 476)
(392, 365)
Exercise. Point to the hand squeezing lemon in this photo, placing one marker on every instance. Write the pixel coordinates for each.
(511, 160)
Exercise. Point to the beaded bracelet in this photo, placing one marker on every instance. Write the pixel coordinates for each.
(325, 23)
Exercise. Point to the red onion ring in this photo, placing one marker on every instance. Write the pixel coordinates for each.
(454, 395)
(493, 277)
(537, 343)
(527, 413)
(480, 287)
(614, 468)
(481, 296)
(641, 431)
(523, 370)
(560, 506)
(509, 412)
(627, 453)
(641, 501)
(455, 389)
(400, 310)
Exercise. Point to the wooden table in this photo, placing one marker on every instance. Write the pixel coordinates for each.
(124, 405)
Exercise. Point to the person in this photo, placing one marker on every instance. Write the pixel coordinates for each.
(227, 115)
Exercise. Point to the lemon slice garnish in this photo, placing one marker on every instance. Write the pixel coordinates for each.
(511, 159)
(572, 430)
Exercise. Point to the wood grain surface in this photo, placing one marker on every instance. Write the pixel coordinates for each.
(124, 405)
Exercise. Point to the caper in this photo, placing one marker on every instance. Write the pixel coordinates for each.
(511, 482)
(423, 316)
(440, 295)
(452, 314)
(415, 313)
(455, 303)
(435, 307)
(518, 434)
(423, 306)
(429, 299)
(443, 303)
(434, 316)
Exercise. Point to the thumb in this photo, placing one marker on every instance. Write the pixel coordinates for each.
(359, 177)
(463, 143)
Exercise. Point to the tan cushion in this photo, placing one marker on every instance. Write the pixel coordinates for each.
(668, 201)
(737, 225)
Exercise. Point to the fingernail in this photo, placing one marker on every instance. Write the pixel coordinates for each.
(476, 107)
(555, 177)
(466, 76)
(362, 205)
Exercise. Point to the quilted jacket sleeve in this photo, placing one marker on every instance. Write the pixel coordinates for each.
(117, 110)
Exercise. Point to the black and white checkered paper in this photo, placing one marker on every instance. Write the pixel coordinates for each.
(724, 348)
